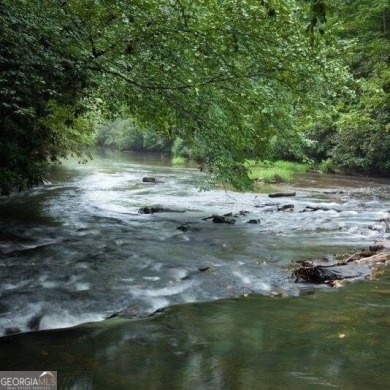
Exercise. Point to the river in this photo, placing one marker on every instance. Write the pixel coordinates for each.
(77, 250)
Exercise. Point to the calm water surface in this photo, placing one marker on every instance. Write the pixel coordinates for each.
(77, 250)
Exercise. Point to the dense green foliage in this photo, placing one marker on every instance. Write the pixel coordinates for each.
(363, 137)
(226, 77)
(124, 134)
(357, 134)
(41, 89)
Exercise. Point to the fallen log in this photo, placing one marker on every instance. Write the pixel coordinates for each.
(312, 209)
(281, 194)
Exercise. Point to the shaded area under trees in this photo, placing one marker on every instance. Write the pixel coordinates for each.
(225, 77)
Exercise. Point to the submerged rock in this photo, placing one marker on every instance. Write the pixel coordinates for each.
(223, 219)
(150, 179)
(12, 330)
(187, 227)
(34, 322)
(286, 207)
(157, 209)
(226, 218)
(130, 311)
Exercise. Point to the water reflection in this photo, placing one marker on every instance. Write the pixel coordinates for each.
(332, 339)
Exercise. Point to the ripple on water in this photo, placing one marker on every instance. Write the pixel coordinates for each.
(79, 246)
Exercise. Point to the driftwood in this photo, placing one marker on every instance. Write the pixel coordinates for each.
(281, 194)
(312, 208)
(362, 264)
(334, 192)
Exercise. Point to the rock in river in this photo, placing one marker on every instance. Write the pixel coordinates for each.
(147, 179)
(362, 264)
(157, 209)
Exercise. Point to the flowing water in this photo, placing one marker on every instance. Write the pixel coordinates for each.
(335, 339)
(77, 250)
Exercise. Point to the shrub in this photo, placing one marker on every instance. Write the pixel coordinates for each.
(178, 160)
(363, 142)
(327, 166)
(179, 149)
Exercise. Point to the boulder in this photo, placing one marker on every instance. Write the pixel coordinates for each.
(226, 218)
(223, 219)
(147, 179)
(362, 264)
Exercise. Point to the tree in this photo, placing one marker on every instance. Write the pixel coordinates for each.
(224, 74)
(362, 137)
(42, 87)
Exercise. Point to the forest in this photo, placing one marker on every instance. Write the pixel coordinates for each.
(298, 80)
(121, 272)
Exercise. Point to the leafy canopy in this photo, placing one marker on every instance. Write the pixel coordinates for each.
(41, 89)
(226, 75)
(363, 138)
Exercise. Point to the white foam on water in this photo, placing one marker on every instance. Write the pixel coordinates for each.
(178, 273)
(21, 317)
(82, 286)
(163, 292)
(243, 278)
(127, 279)
(49, 284)
(66, 320)
(157, 303)
(252, 282)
